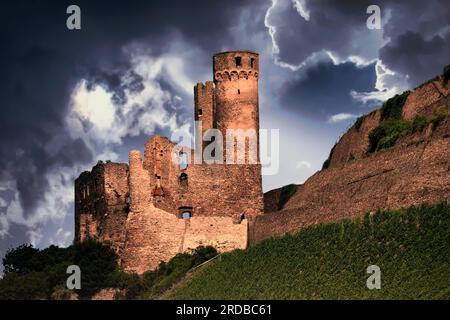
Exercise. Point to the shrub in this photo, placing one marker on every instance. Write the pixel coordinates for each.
(38, 273)
(153, 283)
(393, 107)
(351, 157)
(386, 134)
(437, 118)
(22, 260)
(419, 123)
(446, 74)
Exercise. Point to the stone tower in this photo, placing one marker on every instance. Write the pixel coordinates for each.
(236, 95)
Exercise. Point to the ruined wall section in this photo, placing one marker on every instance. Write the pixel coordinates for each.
(112, 223)
(101, 204)
(214, 190)
(139, 183)
(203, 111)
(154, 236)
(399, 177)
(221, 232)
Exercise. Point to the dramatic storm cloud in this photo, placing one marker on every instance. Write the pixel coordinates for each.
(70, 98)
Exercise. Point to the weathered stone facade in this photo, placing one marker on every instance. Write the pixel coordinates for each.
(154, 207)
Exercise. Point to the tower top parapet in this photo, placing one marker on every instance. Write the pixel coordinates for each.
(236, 60)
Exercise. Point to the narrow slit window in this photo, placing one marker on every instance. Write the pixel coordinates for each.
(252, 62)
(238, 61)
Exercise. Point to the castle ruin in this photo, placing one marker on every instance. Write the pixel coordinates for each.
(153, 207)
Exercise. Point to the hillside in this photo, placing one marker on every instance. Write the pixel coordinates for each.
(394, 157)
(329, 261)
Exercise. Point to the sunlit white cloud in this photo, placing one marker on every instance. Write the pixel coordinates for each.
(388, 84)
(302, 164)
(341, 117)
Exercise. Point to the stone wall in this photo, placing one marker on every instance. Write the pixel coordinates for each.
(355, 141)
(101, 205)
(211, 190)
(220, 232)
(155, 235)
(424, 98)
(392, 179)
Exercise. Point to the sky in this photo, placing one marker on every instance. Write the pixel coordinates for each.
(72, 97)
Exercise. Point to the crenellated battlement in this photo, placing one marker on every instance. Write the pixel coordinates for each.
(236, 74)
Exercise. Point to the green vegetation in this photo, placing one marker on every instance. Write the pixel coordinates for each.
(393, 125)
(387, 133)
(446, 74)
(393, 107)
(351, 157)
(153, 283)
(286, 193)
(329, 261)
(31, 273)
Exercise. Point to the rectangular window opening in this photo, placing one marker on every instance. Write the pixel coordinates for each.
(238, 61)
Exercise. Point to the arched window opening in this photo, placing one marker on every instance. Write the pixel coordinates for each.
(183, 161)
(239, 91)
(183, 179)
(238, 61)
(252, 62)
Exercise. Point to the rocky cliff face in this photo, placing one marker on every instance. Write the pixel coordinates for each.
(414, 170)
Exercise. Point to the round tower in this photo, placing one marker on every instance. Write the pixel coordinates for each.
(236, 93)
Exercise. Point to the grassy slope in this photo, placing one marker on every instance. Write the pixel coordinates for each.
(329, 261)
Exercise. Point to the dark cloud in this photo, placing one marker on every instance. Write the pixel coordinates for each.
(330, 25)
(324, 90)
(417, 33)
(418, 58)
